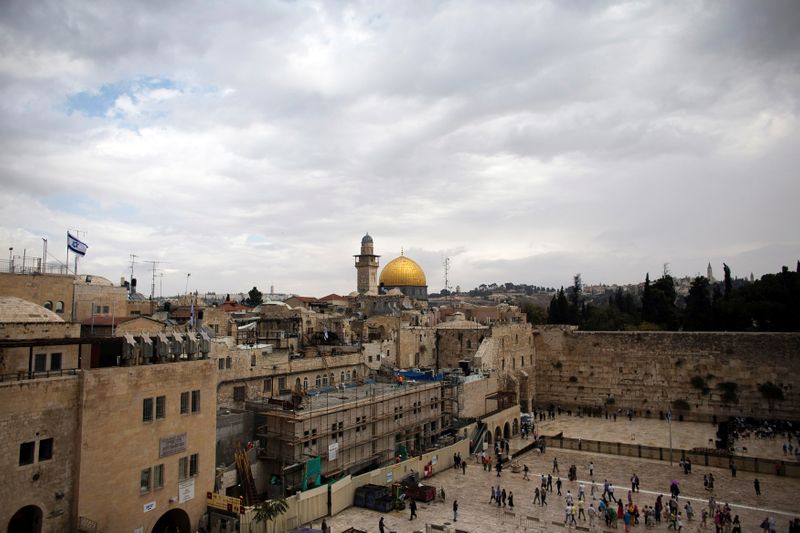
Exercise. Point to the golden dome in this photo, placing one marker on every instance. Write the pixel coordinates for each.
(402, 272)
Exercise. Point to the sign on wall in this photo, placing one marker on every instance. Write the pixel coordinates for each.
(172, 445)
(149, 506)
(333, 449)
(186, 490)
(389, 476)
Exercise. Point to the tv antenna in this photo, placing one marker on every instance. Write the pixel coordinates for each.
(133, 262)
(153, 285)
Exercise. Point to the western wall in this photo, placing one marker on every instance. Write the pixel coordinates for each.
(698, 375)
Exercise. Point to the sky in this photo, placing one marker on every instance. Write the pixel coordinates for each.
(255, 143)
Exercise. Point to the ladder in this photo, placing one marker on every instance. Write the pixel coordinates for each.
(246, 476)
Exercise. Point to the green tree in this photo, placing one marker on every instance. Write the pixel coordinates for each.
(269, 510)
(254, 297)
(698, 306)
(648, 310)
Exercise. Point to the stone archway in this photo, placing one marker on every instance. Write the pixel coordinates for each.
(497, 433)
(515, 427)
(506, 431)
(26, 520)
(488, 437)
(173, 521)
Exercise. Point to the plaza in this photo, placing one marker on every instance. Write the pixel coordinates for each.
(476, 514)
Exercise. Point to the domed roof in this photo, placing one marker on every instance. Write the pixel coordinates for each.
(14, 309)
(367, 239)
(402, 272)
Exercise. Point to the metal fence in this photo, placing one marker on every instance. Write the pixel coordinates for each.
(698, 458)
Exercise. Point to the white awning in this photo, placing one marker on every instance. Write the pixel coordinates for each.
(129, 339)
(247, 327)
(163, 337)
(146, 338)
(205, 336)
(177, 336)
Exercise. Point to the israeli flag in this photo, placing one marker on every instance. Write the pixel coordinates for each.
(75, 245)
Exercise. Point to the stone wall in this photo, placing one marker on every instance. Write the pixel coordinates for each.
(40, 288)
(34, 411)
(416, 347)
(653, 371)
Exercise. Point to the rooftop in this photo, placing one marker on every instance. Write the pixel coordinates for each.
(17, 310)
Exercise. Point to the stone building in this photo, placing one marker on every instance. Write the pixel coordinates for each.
(112, 434)
(349, 429)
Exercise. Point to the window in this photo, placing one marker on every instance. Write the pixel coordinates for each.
(195, 401)
(184, 403)
(228, 362)
(354, 375)
(221, 363)
(325, 380)
(305, 383)
(348, 375)
(469, 344)
(55, 361)
(318, 381)
(239, 393)
(45, 449)
(48, 305)
(161, 407)
(268, 385)
(252, 359)
(330, 378)
(282, 383)
(147, 410)
(26, 453)
(40, 362)
(158, 476)
(341, 377)
(522, 361)
(59, 307)
(183, 468)
(144, 480)
(105, 309)
(188, 467)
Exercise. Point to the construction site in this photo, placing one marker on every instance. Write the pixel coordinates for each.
(348, 429)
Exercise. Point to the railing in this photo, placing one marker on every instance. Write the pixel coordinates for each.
(31, 265)
(698, 458)
(24, 375)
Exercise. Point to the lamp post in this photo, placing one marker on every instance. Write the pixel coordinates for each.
(11, 259)
(186, 290)
(669, 421)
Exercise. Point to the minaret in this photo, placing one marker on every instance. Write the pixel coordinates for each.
(367, 267)
(710, 275)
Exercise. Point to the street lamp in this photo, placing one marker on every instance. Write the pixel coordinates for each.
(11, 259)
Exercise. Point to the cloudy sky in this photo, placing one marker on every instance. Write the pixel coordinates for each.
(254, 143)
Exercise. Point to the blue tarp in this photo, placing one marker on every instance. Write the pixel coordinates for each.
(420, 376)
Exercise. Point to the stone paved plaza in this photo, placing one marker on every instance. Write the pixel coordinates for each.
(778, 495)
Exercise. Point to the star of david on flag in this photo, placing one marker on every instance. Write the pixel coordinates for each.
(75, 245)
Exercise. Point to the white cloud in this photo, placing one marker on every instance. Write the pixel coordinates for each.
(254, 144)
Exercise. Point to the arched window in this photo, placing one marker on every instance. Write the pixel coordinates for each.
(48, 305)
(354, 374)
(297, 384)
(469, 344)
(348, 375)
(330, 378)
(324, 380)
(305, 383)
(59, 307)
(341, 377)
(318, 381)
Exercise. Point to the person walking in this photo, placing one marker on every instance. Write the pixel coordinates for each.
(503, 497)
(544, 498)
(591, 469)
(555, 465)
(550, 482)
(558, 485)
(491, 496)
(463, 468)
(757, 486)
(324, 527)
(525, 472)
(413, 507)
(511, 499)
(381, 526)
(536, 498)
(455, 510)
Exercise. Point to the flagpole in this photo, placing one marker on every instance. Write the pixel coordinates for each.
(67, 261)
